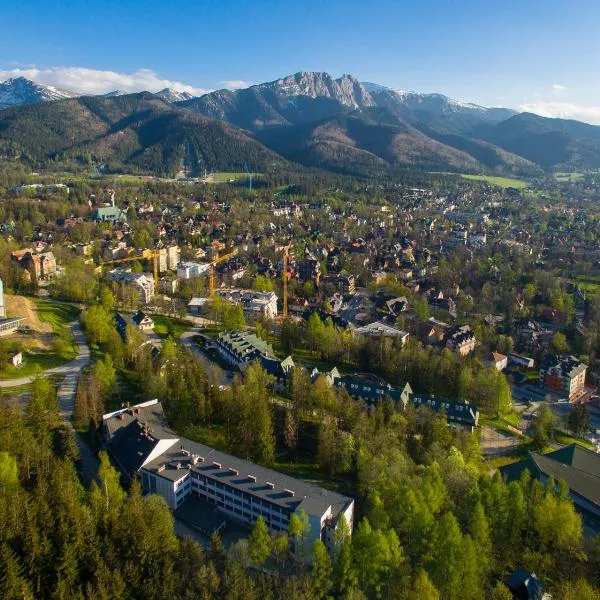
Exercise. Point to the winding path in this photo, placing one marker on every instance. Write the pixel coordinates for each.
(70, 370)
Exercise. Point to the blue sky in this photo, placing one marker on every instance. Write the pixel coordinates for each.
(540, 55)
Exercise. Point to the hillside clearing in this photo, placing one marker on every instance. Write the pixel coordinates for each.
(224, 177)
(503, 182)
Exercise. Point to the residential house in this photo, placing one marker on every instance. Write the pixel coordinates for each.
(519, 360)
(461, 340)
(139, 321)
(109, 213)
(497, 361)
(526, 586)
(309, 269)
(255, 304)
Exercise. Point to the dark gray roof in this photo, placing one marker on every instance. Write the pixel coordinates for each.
(133, 446)
(153, 416)
(569, 366)
(581, 483)
(578, 458)
(525, 586)
(236, 471)
(577, 467)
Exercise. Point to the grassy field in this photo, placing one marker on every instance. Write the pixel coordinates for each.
(59, 347)
(165, 326)
(58, 314)
(568, 177)
(566, 439)
(502, 425)
(589, 284)
(504, 182)
(224, 177)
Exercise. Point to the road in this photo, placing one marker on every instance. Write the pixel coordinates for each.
(70, 370)
(187, 341)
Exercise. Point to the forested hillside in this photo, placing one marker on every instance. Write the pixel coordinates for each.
(137, 132)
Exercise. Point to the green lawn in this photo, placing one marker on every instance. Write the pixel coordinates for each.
(58, 314)
(502, 425)
(566, 439)
(33, 364)
(312, 359)
(13, 392)
(519, 453)
(589, 283)
(504, 182)
(164, 325)
(568, 177)
(223, 177)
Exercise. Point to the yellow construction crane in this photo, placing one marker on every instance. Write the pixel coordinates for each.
(213, 264)
(284, 274)
(145, 255)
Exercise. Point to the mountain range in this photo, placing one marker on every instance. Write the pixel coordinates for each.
(309, 118)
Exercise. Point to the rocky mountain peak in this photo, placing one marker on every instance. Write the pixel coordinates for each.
(345, 89)
(20, 90)
(171, 95)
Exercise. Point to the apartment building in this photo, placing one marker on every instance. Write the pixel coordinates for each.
(563, 375)
(168, 258)
(40, 266)
(239, 348)
(255, 304)
(142, 445)
(372, 389)
(140, 282)
(187, 270)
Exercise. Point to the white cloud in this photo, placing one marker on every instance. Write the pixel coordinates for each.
(81, 80)
(235, 84)
(558, 89)
(563, 110)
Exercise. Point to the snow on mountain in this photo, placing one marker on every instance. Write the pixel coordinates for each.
(171, 95)
(374, 87)
(19, 90)
(114, 94)
(440, 101)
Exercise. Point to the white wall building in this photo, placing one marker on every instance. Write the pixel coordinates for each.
(187, 270)
(142, 283)
(140, 442)
(259, 304)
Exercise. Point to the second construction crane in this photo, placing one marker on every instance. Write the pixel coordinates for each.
(145, 255)
(213, 263)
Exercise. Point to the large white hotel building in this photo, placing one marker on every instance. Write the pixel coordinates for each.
(141, 443)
